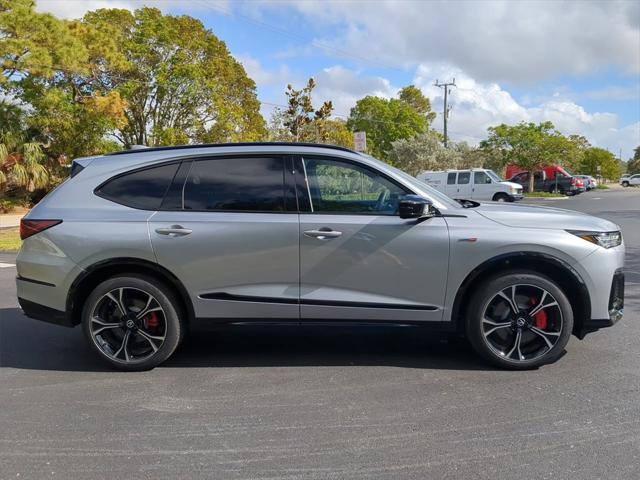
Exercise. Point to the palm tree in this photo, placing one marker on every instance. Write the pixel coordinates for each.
(21, 163)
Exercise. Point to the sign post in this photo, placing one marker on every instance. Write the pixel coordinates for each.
(360, 141)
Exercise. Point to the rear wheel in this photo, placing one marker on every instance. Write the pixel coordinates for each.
(133, 323)
(558, 189)
(519, 321)
(625, 184)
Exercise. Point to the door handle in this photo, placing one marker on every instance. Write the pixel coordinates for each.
(323, 233)
(173, 231)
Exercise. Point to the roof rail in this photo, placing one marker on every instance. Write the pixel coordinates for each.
(136, 148)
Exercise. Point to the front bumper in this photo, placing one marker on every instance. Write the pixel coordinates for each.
(516, 196)
(616, 307)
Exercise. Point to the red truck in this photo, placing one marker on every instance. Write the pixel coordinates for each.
(545, 179)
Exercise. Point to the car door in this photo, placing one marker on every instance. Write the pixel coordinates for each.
(358, 259)
(227, 232)
(634, 180)
(463, 185)
(452, 185)
(482, 188)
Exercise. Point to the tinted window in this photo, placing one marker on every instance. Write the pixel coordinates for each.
(342, 187)
(521, 177)
(451, 178)
(236, 184)
(173, 199)
(481, 178)
(463, 178)
(143, 189)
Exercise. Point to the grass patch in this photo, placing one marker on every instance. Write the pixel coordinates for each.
(542, 195)
(602, 187)
(10, 240)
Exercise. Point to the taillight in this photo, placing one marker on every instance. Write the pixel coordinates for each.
(573, 181)
(31, 227)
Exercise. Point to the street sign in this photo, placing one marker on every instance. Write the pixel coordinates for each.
(360, 141)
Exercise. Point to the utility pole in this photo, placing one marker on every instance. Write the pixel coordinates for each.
(447, 91)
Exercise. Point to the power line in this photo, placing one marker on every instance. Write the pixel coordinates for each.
(445, 114)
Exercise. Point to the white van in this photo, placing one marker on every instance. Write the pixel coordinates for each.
(474, 184)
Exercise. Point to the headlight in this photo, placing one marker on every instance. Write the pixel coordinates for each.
(513, 190)
(604, 239)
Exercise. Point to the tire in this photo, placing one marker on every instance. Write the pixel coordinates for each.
(625, 184)
(558, 190)
(136, 341)
(501, 197)
(508, 339)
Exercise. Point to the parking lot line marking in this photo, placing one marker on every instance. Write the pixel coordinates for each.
(596, 198)
(6, 265)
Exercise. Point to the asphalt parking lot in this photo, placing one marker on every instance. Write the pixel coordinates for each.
(324, 403)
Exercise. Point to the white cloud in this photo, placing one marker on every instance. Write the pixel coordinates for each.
(344, 87)
(616, 93)
(265, 78)
(505, 41)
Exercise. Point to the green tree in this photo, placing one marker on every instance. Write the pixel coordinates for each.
(527, 145)
(53, 68)
(302, 122)
(633, 165)
(388, 120)
(414, 97)
(598, 161)
(179, 82)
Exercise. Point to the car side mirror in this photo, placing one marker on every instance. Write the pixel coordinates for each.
(415, 206)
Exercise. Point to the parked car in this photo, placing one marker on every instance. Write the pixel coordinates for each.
(542, 183)
(135, 245)
(630, 181)
(589, 182)
(546, 179)
(476, 184)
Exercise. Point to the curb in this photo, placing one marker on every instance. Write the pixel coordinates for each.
(542, 199)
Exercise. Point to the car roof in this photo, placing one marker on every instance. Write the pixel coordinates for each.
(143, 149)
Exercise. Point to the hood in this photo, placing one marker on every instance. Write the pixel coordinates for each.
(511, 184)
(530, 216)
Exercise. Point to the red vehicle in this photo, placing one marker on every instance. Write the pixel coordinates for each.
(567, 182)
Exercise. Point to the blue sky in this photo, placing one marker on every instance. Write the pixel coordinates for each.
(574, 63)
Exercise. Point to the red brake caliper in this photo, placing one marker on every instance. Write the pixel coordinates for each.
(151, 321)
(540, 318)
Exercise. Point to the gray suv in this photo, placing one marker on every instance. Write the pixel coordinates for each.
(136, 244)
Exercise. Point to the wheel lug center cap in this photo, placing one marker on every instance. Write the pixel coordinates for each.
(130, 323)
(521, 321)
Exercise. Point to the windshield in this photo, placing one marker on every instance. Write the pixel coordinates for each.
(494, 176)
(419, 184)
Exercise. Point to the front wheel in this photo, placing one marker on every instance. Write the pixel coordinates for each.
(501, 197)
(132, 323)
(519, 321)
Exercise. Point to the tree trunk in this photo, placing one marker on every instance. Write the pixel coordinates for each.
(531, 181)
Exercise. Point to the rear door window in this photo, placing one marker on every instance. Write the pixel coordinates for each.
(463, 178)
(236, 184)
(451, 178)
(143, 189)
